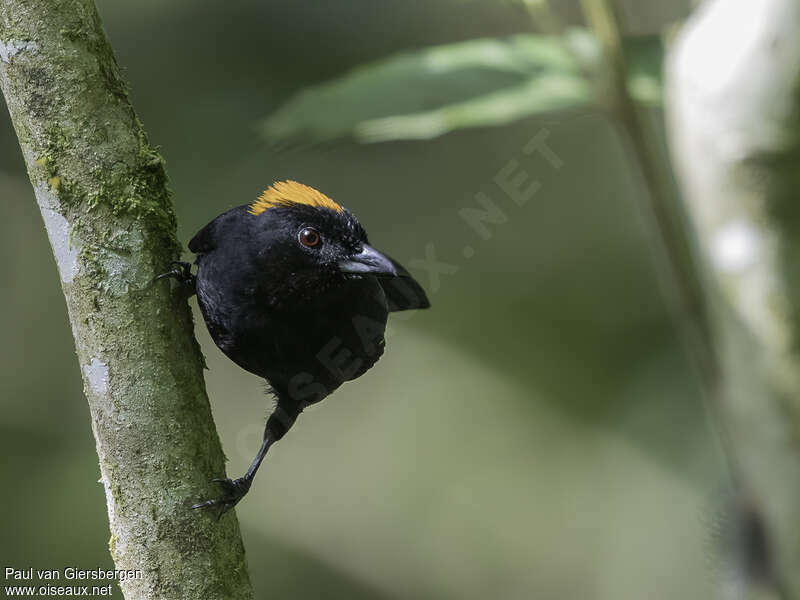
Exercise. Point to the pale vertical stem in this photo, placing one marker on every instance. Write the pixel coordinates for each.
(733, 108)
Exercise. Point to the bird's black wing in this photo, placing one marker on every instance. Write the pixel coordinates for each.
(205, 240)
(403, 292)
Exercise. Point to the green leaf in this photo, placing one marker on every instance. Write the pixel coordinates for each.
(426, 93)
(645, 58)
(536, 95)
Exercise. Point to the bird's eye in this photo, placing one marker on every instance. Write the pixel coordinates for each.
(309, 237)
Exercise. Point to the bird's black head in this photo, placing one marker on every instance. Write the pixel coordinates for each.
(299, 227)
(294, 241)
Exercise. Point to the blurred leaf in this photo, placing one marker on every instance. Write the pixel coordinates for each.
(645, 57)
(419, 82)
(485, 82)
(540, 94)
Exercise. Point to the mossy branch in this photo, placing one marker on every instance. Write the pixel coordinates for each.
(102, 190)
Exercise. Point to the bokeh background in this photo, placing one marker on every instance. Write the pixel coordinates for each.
(537, 434)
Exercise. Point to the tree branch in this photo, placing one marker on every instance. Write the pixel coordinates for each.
(102, 190)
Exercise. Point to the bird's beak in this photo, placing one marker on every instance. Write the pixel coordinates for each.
(368, 261)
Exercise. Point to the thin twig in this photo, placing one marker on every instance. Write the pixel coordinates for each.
(680, 275)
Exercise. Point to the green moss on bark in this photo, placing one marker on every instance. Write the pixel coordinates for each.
(103, 192)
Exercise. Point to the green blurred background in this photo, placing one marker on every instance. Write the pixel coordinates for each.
(537, 434)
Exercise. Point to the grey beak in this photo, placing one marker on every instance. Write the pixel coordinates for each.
(370, 261)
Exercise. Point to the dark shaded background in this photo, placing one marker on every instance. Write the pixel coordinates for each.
(537, 434)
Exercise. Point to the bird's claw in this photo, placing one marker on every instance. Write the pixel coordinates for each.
(235, 490)
(182, 271)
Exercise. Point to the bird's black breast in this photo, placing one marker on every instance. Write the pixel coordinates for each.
(305, 349)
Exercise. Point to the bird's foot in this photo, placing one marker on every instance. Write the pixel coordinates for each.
(235, 490)
(182, 271)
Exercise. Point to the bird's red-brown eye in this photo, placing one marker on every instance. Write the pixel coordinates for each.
(309, 237)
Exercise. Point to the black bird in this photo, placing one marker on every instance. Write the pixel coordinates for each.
(291, 290)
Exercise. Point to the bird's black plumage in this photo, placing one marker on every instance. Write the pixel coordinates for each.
(291, 290)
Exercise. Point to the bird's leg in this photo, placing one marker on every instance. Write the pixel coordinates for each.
(235, 489)
(182, 271)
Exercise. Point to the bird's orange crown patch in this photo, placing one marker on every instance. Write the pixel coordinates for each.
(282, 193)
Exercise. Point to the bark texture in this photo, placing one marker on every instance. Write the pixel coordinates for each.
(734, 122)
(102, 190)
